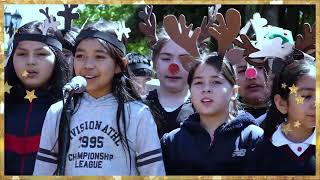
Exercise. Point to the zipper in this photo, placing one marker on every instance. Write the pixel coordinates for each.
(25, 134)
(211, 142)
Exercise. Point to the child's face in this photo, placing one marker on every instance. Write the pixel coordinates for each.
(171, 74)
(34, 63)
(210, 91)
(140, 84)
(252, 91)
(93, 62)
(305, 113)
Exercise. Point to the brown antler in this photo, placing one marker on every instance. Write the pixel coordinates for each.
(208, 22)
(180, 35)
(245, 44)
(227, 30)
(306, 41)
(149, 24)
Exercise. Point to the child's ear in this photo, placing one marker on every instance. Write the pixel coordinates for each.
(235, 92)
(125, 64)
(118, 69)
(281, 104)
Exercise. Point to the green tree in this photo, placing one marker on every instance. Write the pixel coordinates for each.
(127, 13)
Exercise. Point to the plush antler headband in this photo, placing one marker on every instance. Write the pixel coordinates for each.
(49, 23)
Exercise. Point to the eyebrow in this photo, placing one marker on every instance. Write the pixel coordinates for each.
(306, 89)
(37, 49)
(168, 54)
(240, 67)
(199, 77)
(98, 51)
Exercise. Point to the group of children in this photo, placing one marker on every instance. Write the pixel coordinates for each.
(242, 110)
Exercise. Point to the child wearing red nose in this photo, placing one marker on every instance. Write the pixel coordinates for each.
(211, 141)
(170, 103)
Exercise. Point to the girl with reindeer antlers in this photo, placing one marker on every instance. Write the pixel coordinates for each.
(255, 72)
(215, 139)
(170, 103)
(288, 146)
(35, 74)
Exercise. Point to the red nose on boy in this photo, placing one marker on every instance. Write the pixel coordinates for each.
(251, 73)
(173, 68)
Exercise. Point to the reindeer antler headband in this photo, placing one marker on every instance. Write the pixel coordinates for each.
(114, 39)
(49, 23)
(224, 32)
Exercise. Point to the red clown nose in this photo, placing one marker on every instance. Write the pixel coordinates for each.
(173, 68)
(251, 73)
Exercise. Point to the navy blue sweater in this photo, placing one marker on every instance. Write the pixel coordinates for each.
(268, 159)
(23, 125)
(189, 150)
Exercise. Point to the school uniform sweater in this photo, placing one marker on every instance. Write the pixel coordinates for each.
(167, 121)
(279, 156)
(189, 150)
(95, 144)
(23, 125)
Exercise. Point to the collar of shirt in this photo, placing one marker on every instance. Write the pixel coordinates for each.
(106, 99)
(279, 139)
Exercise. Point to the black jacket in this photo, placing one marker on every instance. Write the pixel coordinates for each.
(167, 121)
(188, 150)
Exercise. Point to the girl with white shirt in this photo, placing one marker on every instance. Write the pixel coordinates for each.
(289, 144)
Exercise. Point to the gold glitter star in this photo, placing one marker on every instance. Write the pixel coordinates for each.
(299, 99)
(293, 89)
(7, 88)
(25, 73)
(297, 124)
(30, 95)
(286, 128)
(283, 85)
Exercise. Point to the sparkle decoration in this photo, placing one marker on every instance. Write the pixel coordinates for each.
(7, 88)
(293, 89)
(25, 73)
(284, 85)
(30, 95)
(286, 128)
(297, 124)
(122, 29)
(299, 99)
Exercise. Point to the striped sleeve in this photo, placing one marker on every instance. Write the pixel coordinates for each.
(47, 156)
(149, 155)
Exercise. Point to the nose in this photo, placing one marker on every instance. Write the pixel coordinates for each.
(89, 63)
(206, 88)
(173, 68)
(31, 60)
(251, 73)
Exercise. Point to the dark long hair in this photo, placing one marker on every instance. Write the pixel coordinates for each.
(60, 71)
(122, 87)
(290, 74)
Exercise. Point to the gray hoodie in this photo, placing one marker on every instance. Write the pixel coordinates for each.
(95, 147)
